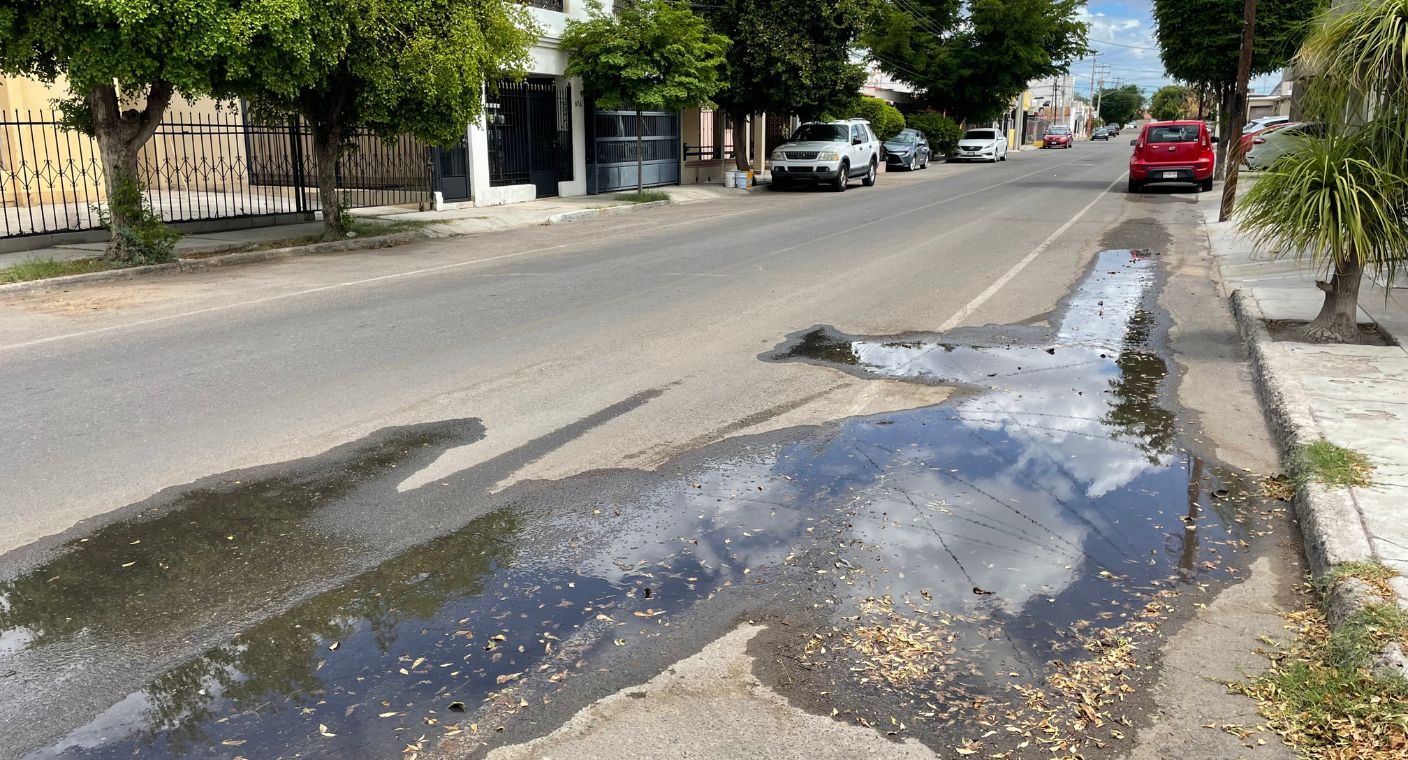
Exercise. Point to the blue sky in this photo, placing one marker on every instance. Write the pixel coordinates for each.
(1122, 32)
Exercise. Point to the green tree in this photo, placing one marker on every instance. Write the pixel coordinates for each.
(416, 67)
(792, 57)
(885, 118)
(1339, 201)
(970, 60)
(1200, 42)
(124, 60)
(1170, 102)
(653, 55)
(1121, 105)
(943, 132)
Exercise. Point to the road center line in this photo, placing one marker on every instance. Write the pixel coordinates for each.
(1017, 268)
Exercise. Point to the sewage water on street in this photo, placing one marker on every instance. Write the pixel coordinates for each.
(931, 565)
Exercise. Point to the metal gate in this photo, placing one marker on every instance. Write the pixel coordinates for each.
(527, 131)
(452, 171)
(613, 155)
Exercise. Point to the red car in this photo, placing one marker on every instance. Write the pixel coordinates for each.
(1057, 137)
(1172, 151)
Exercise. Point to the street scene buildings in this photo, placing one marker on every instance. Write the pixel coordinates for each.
(763, 379)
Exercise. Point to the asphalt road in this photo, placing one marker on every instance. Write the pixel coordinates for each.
(517, 360)
(114, 393)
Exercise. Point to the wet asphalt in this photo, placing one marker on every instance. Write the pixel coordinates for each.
(292, 609)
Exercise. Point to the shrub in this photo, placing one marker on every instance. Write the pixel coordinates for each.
(884, 118)
(943, 132)
(144, 239)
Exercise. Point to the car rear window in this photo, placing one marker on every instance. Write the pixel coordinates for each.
(980, 134)
(1175, 134)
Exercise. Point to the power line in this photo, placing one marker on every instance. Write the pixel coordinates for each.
(921, 18)
(1121, 44)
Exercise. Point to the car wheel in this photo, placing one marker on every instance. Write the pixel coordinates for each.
(843, 178)
(1205, 185)
(1135, 185)
(913, 163)
(870, 175)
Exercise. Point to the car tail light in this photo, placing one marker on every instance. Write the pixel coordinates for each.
(1258, 141)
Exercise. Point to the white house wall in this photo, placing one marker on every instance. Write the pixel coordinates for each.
(546, 60)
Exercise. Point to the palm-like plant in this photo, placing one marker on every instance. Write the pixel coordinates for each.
(1332, 201)
(1340, 199)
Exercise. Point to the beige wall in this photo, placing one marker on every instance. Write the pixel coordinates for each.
(44, 164)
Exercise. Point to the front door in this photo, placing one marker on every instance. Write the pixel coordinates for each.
(859, 157)
(452, 169)
(523, 135)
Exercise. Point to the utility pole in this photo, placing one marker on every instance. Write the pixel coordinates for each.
(1239, 111)
(1100, 89)
(1090, 123)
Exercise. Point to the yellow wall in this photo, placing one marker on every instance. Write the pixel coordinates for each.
(43, 164)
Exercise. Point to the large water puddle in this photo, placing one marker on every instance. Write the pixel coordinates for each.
(935, 561)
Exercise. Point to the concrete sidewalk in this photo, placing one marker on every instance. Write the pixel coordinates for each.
(458, 220)
(1353, 396)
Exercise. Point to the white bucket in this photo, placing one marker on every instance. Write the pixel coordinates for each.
(742, 180)
(730, 178)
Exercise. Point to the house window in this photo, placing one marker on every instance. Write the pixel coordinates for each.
(548, 5)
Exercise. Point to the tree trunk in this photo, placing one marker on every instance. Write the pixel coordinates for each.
(1225, 97)
(120, 136)
(327, 143)
(741, 141)
(1337, 321)
(640, 159)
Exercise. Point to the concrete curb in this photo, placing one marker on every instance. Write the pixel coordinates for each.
(229, 259)
(591, 213)
(335, 246)
(1330, 522)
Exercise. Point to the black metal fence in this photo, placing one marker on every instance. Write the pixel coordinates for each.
(198, 166)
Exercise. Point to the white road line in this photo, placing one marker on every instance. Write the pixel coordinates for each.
(1017, 268)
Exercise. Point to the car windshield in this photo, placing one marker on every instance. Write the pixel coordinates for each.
(822, 133)
(1058, 131)
(903, 138)
(1174, 134)
(980, 134)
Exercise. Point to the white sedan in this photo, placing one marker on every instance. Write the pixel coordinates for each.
(981, 145)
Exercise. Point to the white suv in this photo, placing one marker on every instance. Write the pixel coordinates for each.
(827, 153)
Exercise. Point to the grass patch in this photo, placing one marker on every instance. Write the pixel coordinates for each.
(1369, 572)
(645, 196)
(1333, 465)
(1321, 694)
(42, 269)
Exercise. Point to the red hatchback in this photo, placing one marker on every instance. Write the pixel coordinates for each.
(1172, 151)
(1057, 137)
